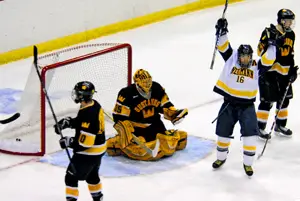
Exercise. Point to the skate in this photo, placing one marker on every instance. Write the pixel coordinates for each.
(283, 131)
(263, 134)
(248, 170)
(99, 197)
(218, 163)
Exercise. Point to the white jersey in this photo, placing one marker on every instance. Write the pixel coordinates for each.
(236, 83)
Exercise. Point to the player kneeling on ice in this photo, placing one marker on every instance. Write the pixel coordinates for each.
(138, 121)
(88, 144)
(238, 84)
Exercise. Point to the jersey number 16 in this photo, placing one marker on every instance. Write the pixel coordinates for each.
(240, 79)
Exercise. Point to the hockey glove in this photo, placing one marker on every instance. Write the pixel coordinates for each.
(221, 27)
(175, 116)
(66, 142)
(62, 124)
(293, 74)
(273, 36)
(179, 116)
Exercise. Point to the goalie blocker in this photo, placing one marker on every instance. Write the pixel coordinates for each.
(138, 111)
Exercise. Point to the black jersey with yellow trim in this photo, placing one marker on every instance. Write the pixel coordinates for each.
(131, 105)
(284, 53)
(90, 130)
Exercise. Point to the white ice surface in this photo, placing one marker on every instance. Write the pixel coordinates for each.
(177, 52)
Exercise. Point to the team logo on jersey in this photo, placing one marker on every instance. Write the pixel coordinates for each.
(243, 72)
(121, 98)
(85, 125)
(148, 113)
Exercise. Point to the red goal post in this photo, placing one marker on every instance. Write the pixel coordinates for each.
(108, 66)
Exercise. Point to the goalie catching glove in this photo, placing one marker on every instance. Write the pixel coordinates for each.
(175, 116)
(62, 124)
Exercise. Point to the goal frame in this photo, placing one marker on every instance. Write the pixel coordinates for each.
(62, 64)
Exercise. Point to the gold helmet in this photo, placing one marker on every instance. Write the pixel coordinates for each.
(143, 80)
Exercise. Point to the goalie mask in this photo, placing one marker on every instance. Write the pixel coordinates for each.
(143, 82)
(83, 91)
(245, 53)
(286, 18)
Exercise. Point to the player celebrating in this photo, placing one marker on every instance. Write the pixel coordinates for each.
(137, 112)
(273, 84)
(238, 84)
(88, 144)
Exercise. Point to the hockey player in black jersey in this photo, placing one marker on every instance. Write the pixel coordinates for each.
(138, 111)
(88, 144)
(273, 84)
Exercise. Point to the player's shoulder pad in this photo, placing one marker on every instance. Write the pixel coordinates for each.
(96, 103)
(127, 91)
(156, 86)
(293, 35)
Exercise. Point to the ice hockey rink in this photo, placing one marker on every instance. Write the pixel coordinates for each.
(177, 52)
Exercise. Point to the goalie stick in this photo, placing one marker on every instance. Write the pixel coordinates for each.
(10, 119)
(35, 60)
(153, 152)
(218, 37)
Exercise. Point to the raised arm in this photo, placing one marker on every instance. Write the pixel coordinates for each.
(223, 44)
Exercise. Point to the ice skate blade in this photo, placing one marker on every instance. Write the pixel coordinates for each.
(264, 139)
(278, 133)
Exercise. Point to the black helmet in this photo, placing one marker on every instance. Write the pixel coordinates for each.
(83, 91)
(242, 51)
(284, 14)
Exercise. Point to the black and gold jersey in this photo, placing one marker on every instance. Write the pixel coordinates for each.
(90, 130)
(284, 53)
(131, 105)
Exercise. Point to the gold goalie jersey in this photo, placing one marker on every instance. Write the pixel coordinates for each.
(238, 84)
(284, 54)
(133, 106)
(89, 125)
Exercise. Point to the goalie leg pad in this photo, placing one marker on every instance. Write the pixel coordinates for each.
(182, 141)
(168, 141)
(136, 152)
(113, 146)
(125, 130)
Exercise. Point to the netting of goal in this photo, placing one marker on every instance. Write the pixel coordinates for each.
(107, 66)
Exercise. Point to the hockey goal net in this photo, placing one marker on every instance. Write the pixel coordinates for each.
(107, 66)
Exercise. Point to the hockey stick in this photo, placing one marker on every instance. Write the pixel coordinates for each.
(151, 152)
(10, 119)
(35, 60)
(220, 113)
(218, 37)
(274, 122)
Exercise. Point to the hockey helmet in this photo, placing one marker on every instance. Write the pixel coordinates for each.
(83, 91)
(286, 19)
(143, 80)
(245, 53)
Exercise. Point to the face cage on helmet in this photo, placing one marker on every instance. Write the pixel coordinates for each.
(74, 96)
(289, 28)
(244, 65)
(145, 84)
(146, 95)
